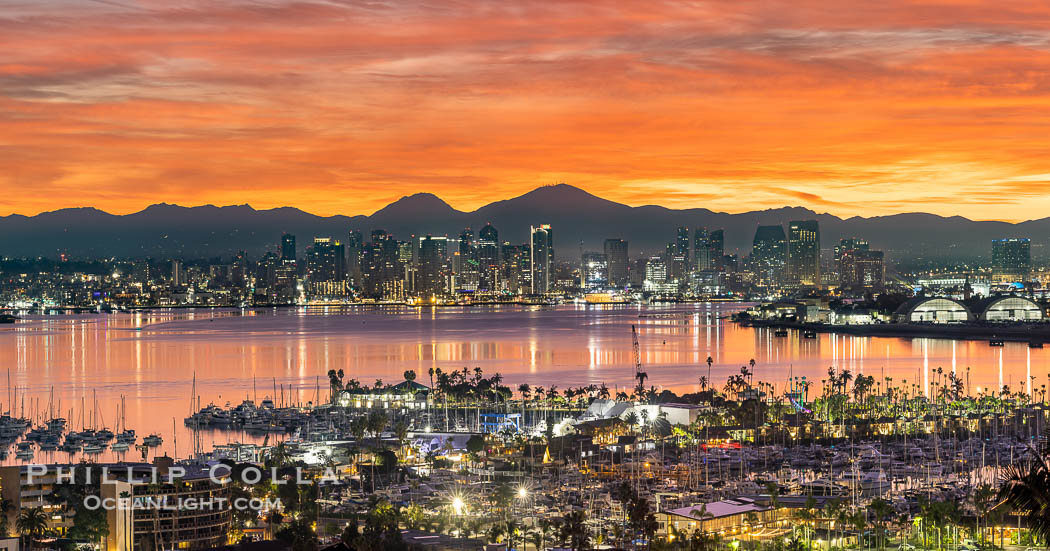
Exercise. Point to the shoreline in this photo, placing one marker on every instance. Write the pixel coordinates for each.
(1030, 333)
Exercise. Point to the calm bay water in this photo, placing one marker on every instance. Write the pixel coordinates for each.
(58, 363)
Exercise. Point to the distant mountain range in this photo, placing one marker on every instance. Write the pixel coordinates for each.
(172, 231)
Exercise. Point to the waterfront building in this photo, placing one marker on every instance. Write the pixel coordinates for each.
(616, 257)
(1008, 308)
(803, 259)
(728, 516)
(326, 268)
(402, 396)
(932, 310)
(594, 271)
(1011, 260)
(541, 259)
(656, 276)
(769, 255)
(434, 268)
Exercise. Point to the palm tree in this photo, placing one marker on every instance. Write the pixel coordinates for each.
(982, 498)
(1026, 488)
(5, 507)
(573, 531)
(641, 376)
(31, 524)
(710, 361)
(401, 433)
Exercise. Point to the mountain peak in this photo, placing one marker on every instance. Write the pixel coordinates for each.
(556, 197)
(423, 204)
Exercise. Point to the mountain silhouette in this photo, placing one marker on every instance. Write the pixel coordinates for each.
(580, 220)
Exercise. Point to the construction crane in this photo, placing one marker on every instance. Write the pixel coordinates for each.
(638, 373)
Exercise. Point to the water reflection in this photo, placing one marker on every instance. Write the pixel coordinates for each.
(151, 357)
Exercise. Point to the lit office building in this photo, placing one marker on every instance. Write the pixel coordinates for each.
(594, 271)
(804, 252)
(326, 268)
(616, 259)
(434, 268)
(1011, 260)
(488, 254)
(768, 255)
(541, 258)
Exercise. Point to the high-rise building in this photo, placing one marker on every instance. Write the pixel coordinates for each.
(716, 249)
(681, 245)
(541, 260)
(769, 255)
(677, 265)
(804, 252)
(656, 275)
(434, 268)
(266, 270)
(861, 268)
(1011, 260)
(488, 254)
(465, 264)
(849, 243)
(616, 259)
(382, 272)
(708, 249)
(515, 271)
(326, 268)
(178, 274)
(287, 248)
(355, 248)
(701, 252)
(594, 271)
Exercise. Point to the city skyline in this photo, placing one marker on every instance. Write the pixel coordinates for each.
(868, 109)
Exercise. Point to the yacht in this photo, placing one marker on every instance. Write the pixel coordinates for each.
(822, 487)
(868, 483)
(153, 440)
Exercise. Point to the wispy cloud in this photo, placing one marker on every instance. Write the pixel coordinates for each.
(337, 106)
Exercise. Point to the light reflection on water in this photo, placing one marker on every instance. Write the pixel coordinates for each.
(151, 357)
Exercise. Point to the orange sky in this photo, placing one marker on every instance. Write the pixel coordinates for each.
(854, 107)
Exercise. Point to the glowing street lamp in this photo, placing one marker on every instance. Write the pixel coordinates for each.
(458, 505)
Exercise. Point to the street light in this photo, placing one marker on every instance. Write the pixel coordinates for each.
(523, 492)
(457, 505)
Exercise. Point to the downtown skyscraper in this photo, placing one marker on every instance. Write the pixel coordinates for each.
(803, 259)
(541, 259)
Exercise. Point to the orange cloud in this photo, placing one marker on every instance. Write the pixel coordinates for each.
(333, 107)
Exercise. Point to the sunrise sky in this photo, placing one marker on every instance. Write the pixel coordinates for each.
(854, 107)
